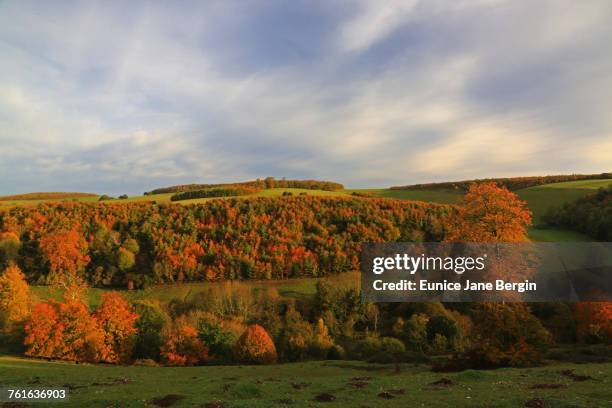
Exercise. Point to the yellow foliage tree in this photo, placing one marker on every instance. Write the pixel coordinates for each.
(14, 297)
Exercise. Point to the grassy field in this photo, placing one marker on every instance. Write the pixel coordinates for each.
(290, 288)
(345, 383)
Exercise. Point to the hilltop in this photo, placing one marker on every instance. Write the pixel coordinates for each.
(46, 196)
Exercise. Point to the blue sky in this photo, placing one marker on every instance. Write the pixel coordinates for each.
(116, 96)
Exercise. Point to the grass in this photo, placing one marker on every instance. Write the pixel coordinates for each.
(290, 288)
(434, 196)
(298, 384)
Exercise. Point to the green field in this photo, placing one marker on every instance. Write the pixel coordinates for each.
(348, 383)
(290, 288)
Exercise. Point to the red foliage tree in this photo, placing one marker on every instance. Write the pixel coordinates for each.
(66, 253)
(181, 345)
(255, 346)
(594, 321)
(116, 318)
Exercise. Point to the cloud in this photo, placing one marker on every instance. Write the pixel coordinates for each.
(126, 97)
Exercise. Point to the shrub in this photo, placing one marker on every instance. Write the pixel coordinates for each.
(392, 346)
(336, 352)
(507, 335)
(442, 326)
(181, 345)
(218, 341)
(255, 346)
(149, 325)
(366, 348)
(415, 332)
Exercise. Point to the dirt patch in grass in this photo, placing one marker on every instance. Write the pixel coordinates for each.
(397, 391)
(116, 381)
(325, 397)
(167, 400)
(575, 377)
(72, 387)
(361, 378)
(443, 382)
(300, 386)
(386, 395)
(359, 384)
(535, 403)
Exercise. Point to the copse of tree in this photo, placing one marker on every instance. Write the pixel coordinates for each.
(213, 192)
(259, 184)
(251, 238)
(65, 331)
(511, 183)
(591, 215)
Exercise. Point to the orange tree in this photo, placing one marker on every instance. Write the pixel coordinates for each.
(65, 331)
(489, 213)
(67, 255)
(116, 318)
(181, 345)
(255, 346)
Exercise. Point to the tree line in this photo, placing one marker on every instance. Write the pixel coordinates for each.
(259, 184)
(511, 183)
(591, 215)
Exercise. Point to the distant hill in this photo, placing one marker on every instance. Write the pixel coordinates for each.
(512, 183)
(260, 184)
(46, 196)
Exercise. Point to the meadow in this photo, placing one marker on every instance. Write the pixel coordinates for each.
(313, 384)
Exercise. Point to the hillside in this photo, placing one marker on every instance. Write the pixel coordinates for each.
(250, 238)
(46, 196)
(259, 184)
(511, 183)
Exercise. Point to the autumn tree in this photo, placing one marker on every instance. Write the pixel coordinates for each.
(66, 331)
(14, 297)
(117, 318)
(255, 346)
(594, 322)
(489, 213)
(9, 248)
(181, 344)
(66, 254)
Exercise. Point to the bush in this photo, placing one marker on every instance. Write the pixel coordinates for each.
(507, 335)
(336, 352)
(392, 346)
(181, 345)
(366, 348)
(150, 322)
(218, 341)
(255, 347)
(445, 327)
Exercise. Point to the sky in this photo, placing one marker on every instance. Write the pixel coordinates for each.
(122, 97)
